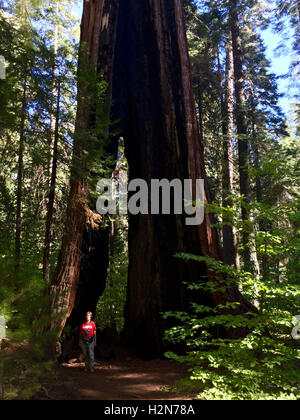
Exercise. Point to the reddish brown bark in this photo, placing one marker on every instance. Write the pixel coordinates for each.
(94, 262)
(94, 38)
(153, 96)
(153, 101)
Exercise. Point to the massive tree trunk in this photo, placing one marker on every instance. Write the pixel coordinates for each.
(154, 104)
(93, 272)
(95, 246)
(97, 34)
(152, 93)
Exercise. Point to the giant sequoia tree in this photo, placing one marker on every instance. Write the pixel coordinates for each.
(102, 17)
(153, 102)
(95, 60)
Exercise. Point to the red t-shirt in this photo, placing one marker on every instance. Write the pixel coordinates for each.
(88, 329)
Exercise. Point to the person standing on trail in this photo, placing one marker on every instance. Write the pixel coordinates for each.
(88, 342)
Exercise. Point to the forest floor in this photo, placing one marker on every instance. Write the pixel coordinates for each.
(130, 379)
(126, 378)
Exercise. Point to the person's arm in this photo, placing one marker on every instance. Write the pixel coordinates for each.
(79, 335)
(95, 340)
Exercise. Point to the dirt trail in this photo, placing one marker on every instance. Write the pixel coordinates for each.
(119, 380)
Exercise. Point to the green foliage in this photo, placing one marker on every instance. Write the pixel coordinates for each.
(29, 54)
(265, 363)
(27, 30)
(110, 308)
(23, 366)
(262, 365)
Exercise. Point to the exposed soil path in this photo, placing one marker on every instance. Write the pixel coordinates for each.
(131, 379)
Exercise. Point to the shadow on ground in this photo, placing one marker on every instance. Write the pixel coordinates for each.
(131, 379)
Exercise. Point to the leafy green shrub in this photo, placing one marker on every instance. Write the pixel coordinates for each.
(110, 307)
(263, 365)
(23, 366)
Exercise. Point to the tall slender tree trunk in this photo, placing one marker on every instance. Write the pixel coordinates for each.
(258, 185)
(229, 238)
(53, 154)
(255, 148)
(51, 199)
(199, 101)
(53, 93)
(249, 254)
(20, 176)
(262, 224)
